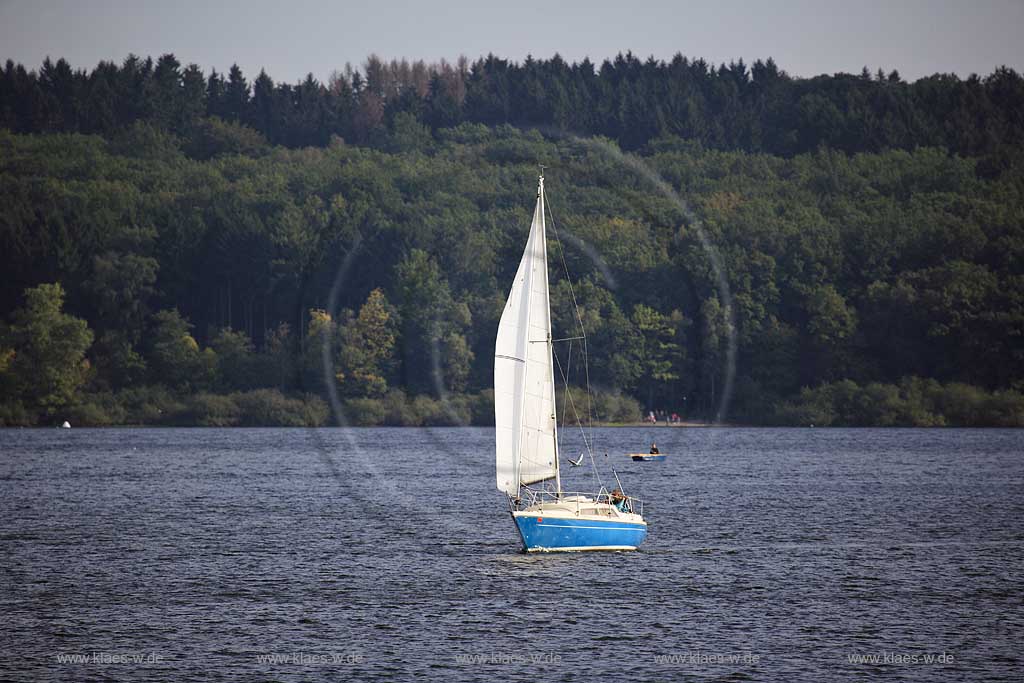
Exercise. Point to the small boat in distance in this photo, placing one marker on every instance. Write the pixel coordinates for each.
(653, 454)
(646, 457)
(526, 426)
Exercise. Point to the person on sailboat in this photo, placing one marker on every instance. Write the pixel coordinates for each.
(621, 501)
(654, 449)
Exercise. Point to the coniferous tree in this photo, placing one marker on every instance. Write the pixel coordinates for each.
(193, 96)
(236, 96)
(216, 95)
(266, 111)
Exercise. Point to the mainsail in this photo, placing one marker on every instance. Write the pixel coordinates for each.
(524, 390)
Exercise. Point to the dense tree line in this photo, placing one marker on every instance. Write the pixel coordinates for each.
(254, 283)
(756, 108)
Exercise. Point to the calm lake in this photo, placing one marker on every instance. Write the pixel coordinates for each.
(388, 554)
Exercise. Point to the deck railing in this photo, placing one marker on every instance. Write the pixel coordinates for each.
(529, 497)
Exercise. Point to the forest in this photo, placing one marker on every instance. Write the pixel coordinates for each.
(743, 246)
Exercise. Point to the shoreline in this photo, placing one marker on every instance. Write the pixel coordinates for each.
(662, 425)
(602, 425)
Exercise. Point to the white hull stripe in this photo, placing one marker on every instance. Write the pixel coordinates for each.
(603, 528)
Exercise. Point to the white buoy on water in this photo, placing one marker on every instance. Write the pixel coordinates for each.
(66, 425)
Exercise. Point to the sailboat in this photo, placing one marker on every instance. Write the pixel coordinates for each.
(526, 425)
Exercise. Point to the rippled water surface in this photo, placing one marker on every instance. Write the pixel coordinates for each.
(387, 554)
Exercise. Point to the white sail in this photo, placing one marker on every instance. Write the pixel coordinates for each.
(524, 392)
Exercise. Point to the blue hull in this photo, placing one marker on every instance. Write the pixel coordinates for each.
(551, 533)
(649, 458)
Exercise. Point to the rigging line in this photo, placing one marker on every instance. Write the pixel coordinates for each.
(590, 398)
(583, 432)
(568, 394)
(568, 371)
(579, 320)
(586, 354)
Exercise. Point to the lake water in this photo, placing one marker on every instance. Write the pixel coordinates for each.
(387, 554)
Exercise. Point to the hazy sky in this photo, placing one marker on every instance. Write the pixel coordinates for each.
(290, 38)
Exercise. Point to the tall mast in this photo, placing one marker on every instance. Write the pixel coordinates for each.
(551, 346)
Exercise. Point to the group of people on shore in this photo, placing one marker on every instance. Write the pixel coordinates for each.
(654, 416)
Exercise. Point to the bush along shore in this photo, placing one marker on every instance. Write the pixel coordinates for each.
(912, 403)
(158, 406)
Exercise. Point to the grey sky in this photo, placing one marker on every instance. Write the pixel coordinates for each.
(292, 38)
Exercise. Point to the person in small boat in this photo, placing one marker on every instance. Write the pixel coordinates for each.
(620, 500)
(654, 449)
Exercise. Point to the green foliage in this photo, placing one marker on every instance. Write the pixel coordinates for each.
(212, 410)
(120, 287)
(399, 411)
(320, 347)
(237, 364)
(407, 134)
(269, 408)
(42, 353)
(367, 347)
(14, 414)
(256, 408)
(915, 402)
(175, 356)
(435, 352)
(458, 358)
(151, 405)
(278, 365)
(212, 137)
(658, 354)
(830, 319)
(147, 142)
(97, 410)
(602, 406)
(156, 405)
(396, 409)
(364, 412)
(481, 408)
(117, 362)
(638, 103)
(868, 260)
(716, 328)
